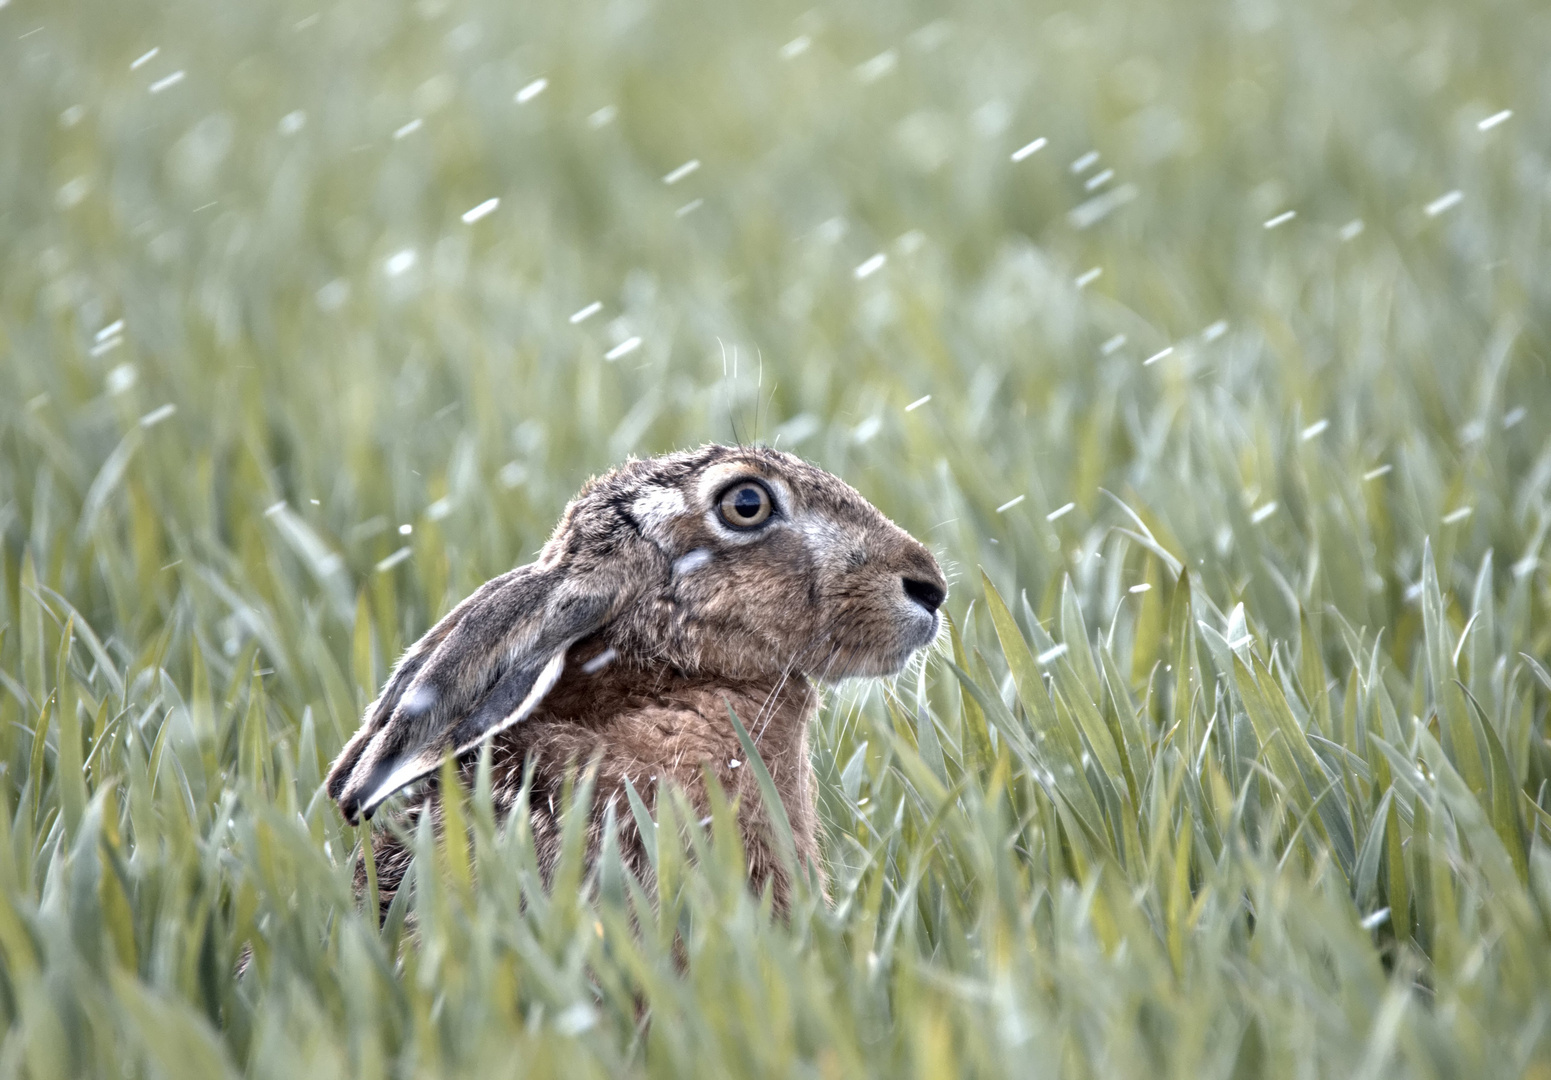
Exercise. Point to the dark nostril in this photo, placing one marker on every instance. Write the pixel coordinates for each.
(925, 593)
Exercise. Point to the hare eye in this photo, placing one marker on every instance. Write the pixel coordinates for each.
(745, 505)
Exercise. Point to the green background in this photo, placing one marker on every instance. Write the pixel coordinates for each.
(269, 405)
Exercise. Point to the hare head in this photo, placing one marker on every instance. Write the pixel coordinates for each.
(730, 562)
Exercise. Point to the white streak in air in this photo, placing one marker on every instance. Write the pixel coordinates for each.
(1316, 429)
(796, 47)
(400, 262)
(878, 66)
(167, 81)
(1447, 201)
(601, 661)
(386, 564)
(918, 402)
(1099, 179)
(292, 122)
(156, 416)
(418, 698)
(602, 117)
(1513, 416)
(585, 313)
(1114, 343)
(1264, 512)
(111, 330)
(531, 91)
(1028, 150)
(689, 208)
(1088, 277)
(274, 508)
(1155, 357)
(870, 266)
(146, 57)
(409, 129)
(1010, 503)
(1457, 515)
(106, 346)
(1378, 918)
(406, 529)
(1215, 331)
(691, 561)
(1352, 230)
(624, 348)
(682, 171)
(1143, 587)
(1053, 653)
(122, 378)
(1086, 162)
(1281, 219)
(484, 209)
(1492, 121)
(1374, 474)
(1060, 512)
(1087, 214)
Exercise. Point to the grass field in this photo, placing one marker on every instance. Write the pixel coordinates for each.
(1227, 404)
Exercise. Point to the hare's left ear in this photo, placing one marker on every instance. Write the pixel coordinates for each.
(484, 667)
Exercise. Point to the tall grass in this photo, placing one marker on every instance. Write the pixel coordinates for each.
(1236, 763)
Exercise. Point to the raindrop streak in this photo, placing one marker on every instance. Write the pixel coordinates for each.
(1143, 587)
(1352, 229)
(1264, 512)
(400, 262)
(388, 563)
(682, 171)
(624, 348)
(115, 327)
(917, 403)
(602, 117)
(1374, 474)
(689, 208)
(1086, 162)
(1114, 343)
(166, 81)
(878, 66)
(1052, 653)
(1447, 201)
(1088, 277)
(1315, 429)
(1281, 219)
(796, 47)
(583, 314)
(1492, 121)
(1215, 331)
(1457, 515)
(406, 529)
(156, 416)
(1099, 179)
(1155, 357)
(409, 128)
(1060, 512)
(482, 210)
(1010, 503)
(870, 266)
(146, 57)
(1029, 149)
(531, 91)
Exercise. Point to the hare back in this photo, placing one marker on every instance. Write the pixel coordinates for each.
(651, 729)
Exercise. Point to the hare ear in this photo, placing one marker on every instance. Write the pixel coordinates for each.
(484, 667)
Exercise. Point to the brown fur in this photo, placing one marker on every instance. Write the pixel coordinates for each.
(666, 618)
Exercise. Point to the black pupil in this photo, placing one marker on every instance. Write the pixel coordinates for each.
(746, 502)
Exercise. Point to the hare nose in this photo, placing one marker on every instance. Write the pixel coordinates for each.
(926, 593)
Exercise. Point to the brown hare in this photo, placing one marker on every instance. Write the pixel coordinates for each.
(672, 589)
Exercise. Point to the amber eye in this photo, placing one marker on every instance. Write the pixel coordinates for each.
(745, 505)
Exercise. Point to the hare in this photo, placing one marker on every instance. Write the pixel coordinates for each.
(672, 590)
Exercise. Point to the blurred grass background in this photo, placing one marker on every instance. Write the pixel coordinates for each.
(1228, 408)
